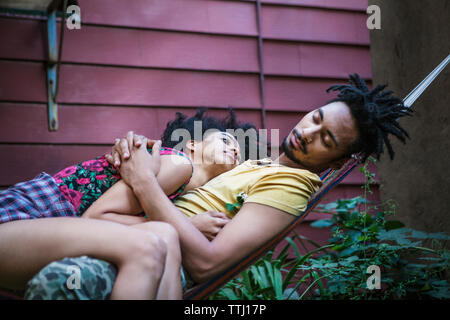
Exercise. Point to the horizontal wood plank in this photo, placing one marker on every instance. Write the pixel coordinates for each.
(129, 86)
(226, 17)
(27, 123)
(132, 47)
(23, 162)
(294, 94)
(23, 81)
(315, 60)
(307, 24)
(356, 5)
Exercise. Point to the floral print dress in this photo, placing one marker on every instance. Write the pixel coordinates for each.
(85, 182)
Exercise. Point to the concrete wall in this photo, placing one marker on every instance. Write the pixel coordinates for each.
(413, 39)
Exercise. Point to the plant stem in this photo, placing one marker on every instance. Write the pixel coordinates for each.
(309, 287)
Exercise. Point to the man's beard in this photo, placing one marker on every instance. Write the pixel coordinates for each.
(285, 146)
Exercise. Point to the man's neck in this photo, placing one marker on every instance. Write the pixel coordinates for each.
(285, 161)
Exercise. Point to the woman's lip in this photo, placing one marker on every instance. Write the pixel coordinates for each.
(232, 155)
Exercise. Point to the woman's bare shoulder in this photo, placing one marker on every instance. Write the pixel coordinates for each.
(175, 171)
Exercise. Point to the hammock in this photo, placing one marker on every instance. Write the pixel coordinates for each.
(330, 179)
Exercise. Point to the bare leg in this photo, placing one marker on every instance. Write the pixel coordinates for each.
(170, 286)
(26, 246)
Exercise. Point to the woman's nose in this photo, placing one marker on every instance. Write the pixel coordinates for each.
(237, 152)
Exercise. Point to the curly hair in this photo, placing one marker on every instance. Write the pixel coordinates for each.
(181, 121)
(376, 113)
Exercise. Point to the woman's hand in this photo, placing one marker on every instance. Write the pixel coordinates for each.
(141, 165)
(210, 223)
(122, 148)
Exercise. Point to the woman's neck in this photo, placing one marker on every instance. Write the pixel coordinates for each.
(202, 173)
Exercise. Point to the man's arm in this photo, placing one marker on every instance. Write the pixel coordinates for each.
(250, 228)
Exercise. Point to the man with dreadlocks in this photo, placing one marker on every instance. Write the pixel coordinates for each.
(358, 120)
(267, 194)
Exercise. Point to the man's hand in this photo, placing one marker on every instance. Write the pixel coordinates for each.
(122, 148)
(141, 165)
(210, 223)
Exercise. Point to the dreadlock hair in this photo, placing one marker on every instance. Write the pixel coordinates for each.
(181, 121)
(376, 114)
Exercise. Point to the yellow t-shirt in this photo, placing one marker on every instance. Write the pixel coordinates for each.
(262, 181)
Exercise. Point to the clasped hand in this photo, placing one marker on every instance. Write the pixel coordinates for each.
(131, 157)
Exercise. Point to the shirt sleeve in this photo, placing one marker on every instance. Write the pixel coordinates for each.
(286, 191)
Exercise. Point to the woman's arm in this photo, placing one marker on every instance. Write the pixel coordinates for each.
(119, 204)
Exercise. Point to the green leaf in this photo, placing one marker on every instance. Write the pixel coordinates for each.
(373, 228)
(229, 294)
(423, 235)
(294, 246)
(439, 293)
(324, 223)
(338, 247)
(246, 279)
(393, 224)
(278, 284)
(290, 294)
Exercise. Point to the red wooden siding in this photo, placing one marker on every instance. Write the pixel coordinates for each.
(133, 64)
(311, 24)
(354, 5)
(221, 17)
(315, 60)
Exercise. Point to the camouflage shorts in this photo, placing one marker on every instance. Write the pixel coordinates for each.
(80, 278)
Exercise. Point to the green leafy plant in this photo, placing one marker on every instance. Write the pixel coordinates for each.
(362, 235)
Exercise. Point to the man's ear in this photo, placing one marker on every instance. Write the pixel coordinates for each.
(337, 164)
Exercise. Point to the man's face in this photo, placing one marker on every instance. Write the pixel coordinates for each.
(321, 137)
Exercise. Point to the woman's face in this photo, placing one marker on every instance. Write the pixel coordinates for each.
(220, 149)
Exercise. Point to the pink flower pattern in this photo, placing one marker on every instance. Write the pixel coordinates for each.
(85, 182)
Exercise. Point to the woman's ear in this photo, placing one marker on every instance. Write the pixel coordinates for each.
(337, 164)
(191, 145)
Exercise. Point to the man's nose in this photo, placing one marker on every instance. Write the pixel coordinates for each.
(308, 133)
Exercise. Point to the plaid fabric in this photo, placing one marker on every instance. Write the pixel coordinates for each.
(37, 198)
